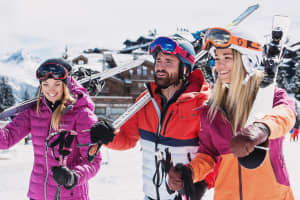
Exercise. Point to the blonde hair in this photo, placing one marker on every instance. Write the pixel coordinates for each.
(57, 114)
(237, 100)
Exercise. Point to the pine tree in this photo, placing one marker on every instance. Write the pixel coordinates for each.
(295, 83)
(26, 96)
(7, 98)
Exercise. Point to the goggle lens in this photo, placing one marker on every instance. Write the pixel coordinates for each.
(169, 46)
(57, 71)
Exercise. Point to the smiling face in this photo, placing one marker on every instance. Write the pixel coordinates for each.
(166, 69)
(224, 64)
(52, 89)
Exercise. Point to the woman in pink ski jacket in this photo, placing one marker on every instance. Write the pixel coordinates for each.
(63, 105)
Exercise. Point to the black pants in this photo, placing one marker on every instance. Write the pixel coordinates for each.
(201, 188)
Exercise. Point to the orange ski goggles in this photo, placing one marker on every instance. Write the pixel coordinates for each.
(222, 38)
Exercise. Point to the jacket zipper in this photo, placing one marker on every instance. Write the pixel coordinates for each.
(240, 182)
(46, 158)
(159, 122)
(46, 154)
(169, 117)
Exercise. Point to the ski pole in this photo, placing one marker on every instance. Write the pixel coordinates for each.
(63, 162)
(94, 147)
(64, 140)
(262, 148)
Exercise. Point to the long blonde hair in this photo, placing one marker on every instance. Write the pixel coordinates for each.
(237, 100)
(57, 114)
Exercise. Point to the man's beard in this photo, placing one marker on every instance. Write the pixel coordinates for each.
(167, 81)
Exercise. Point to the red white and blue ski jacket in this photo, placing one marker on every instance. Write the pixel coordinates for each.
(78, 117)
(179, 132)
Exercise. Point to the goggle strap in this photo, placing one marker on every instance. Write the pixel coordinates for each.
(245, 43)
(185, 54)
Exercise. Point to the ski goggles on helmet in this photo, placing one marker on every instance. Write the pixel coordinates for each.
(169, 46)
(54, 70)
(222, 38)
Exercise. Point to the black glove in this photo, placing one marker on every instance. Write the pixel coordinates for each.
(247, 138)
(102, 132)
(175, 181)
(64, 176)
(181, 179)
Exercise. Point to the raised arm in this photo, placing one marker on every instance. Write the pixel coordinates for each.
(15, 130)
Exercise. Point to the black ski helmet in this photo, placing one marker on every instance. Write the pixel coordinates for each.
(55, 62)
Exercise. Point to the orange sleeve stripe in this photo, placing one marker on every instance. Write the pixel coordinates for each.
(201, 165)
(280, 121)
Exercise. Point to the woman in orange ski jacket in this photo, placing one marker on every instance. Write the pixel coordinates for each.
(244, 124)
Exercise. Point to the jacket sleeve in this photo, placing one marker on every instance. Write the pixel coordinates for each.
(283, 115)
(15, 130)
(207, 156)
(85, 169)
(127, 136)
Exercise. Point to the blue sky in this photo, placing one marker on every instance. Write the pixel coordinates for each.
(46, 26)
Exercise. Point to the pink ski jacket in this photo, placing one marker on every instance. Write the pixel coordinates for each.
(79, 117)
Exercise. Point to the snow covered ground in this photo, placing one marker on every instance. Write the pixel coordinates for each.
(120, 178)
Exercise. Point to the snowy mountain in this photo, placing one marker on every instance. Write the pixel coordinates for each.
(19, 67)
(18, 57)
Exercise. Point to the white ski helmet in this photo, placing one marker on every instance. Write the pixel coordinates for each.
(251, 58)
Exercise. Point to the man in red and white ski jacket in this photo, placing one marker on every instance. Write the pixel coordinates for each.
(168, 122)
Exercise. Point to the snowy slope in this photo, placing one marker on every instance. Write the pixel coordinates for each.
(120, 179)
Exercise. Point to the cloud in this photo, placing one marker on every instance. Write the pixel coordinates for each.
(45, 24)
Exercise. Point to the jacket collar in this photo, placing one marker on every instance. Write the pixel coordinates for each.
(196, 83)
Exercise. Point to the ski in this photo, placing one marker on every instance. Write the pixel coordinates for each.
(273, 52)
(17, 108)
(131, 111)
(273, 56)
(132, 48)
(200, 55)
(101, 76)
(200, 34)
(244, 15)
(95, 147)
(116, 70)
